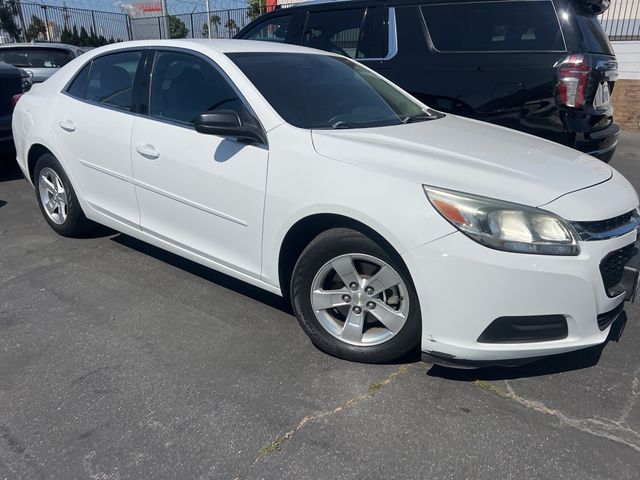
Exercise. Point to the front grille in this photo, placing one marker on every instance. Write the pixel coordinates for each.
(612, 266)
(606, 225)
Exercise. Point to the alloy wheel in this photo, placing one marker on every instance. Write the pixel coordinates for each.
(53, 196)
(360, 299)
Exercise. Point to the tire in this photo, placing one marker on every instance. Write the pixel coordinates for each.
(57, 199)
(364, 339)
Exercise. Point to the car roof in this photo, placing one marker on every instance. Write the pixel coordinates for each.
(216, 45)
(65, 46)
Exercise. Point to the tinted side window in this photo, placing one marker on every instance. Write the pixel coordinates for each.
(494, 26)
(342, 32)
(185, 85)
(78, 87)
(272, 30)
(111, 79)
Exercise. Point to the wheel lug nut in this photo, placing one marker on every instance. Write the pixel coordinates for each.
(371, 305)
(346, 298)
(353, 286)
(369, 290)
(357, 310)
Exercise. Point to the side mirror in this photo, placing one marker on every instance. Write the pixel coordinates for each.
(227, 123)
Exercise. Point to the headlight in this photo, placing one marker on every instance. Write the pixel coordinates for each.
(503, 225)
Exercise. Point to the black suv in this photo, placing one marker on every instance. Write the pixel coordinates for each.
(13, 81)
(544, 67)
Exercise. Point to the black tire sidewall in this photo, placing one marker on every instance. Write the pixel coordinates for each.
(331, 244)
(75, 223)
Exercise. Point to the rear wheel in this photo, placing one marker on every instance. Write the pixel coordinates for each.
(354, 300)
(57, 199)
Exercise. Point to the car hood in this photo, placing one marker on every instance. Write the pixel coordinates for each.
(468, 156)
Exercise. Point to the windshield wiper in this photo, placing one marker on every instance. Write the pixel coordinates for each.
(342, 124)
(421, 117)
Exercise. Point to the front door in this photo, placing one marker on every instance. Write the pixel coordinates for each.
(200, 192)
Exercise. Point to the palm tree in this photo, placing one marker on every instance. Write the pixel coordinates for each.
(215, 22)
(231, 26)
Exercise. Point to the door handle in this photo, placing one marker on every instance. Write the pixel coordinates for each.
(67, 125)
(147, 151)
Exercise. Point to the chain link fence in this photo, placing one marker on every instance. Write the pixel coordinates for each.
(26, 22)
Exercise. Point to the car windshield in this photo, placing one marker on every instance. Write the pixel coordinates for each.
(324, 91)
(35, 57)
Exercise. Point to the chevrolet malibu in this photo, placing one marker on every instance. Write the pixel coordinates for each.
(389, 225)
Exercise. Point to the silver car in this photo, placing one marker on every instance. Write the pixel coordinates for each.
(40, 60)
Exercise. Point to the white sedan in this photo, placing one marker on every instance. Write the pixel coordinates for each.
(391, 226)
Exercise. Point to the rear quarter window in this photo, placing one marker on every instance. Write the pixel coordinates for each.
(494, 26)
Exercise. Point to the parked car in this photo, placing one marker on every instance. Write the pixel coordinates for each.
(390, 226)
(543, 67)
(40, 60)
(13, 81)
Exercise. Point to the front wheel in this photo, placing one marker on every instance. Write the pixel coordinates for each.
(354, 300)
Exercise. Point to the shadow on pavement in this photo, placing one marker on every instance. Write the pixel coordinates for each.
(2, 203)
(9, 170)
(228, 282)
(206, 273)
(565, 362)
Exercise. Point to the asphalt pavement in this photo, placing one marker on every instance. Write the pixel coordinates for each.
(120, 361)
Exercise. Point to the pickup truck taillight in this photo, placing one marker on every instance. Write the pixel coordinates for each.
(573, 75)
(14, 100)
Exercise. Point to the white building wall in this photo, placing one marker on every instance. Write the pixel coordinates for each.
(628, 55)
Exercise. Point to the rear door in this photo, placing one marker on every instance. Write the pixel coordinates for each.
(93, 123)
(495, 61)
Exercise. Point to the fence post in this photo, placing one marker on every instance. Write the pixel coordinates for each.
(192, 34)
(159, 28)
(46, 23)
(128, 24)
(93, 21)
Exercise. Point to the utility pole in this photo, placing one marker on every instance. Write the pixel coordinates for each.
(208, 4)
(165, 14)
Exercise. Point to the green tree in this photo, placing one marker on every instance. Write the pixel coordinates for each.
(231, 26)
(205, 31)
(36, 30)
(215, 23)
(75, 37)
(85, 40)
(66, 36)
(177, 28)
(8, 13)
(256, 8)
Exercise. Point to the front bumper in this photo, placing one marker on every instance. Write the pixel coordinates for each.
(463, 287)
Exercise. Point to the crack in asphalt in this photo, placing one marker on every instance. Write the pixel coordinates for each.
(614, 430)
(276, 445)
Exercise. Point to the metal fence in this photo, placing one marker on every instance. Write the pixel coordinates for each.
(622, 20)
(224, 24)
(25, 22)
